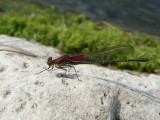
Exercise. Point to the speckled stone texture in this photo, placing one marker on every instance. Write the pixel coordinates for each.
(103, 94)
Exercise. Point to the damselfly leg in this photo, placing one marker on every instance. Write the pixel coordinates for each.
(64, 68)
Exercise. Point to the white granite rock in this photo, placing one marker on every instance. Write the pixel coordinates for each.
(103, 94)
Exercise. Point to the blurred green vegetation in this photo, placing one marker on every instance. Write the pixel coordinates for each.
(75, 33)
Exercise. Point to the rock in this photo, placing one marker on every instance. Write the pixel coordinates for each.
(103, 94)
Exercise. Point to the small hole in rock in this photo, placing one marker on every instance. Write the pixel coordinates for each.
(25, 65)
(2, 69)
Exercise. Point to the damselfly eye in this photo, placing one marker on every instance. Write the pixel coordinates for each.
(49, 61)
(50, 58)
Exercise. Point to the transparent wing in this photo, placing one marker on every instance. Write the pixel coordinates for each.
(9, 48)
(111, 53)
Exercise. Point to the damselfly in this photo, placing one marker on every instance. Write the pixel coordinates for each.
(109, 55)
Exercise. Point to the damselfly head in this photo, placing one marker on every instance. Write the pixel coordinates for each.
(50, 61)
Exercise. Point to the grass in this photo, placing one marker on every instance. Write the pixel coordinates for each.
(75, 33)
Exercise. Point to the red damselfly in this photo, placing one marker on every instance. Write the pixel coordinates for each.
(106, 56)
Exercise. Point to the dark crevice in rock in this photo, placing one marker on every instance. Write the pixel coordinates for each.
(2, 68)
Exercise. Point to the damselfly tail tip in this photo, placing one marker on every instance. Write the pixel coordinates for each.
(144, 59)
(147, 59)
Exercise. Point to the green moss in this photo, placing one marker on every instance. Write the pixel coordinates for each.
(73, 33)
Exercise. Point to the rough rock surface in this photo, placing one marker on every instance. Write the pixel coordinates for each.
(103, 94)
